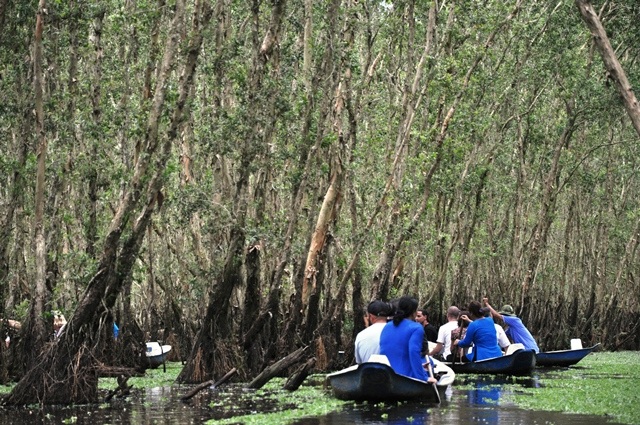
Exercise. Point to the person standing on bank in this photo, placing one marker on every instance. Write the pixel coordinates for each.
(516, 330)
(401, 341)
(368, 340)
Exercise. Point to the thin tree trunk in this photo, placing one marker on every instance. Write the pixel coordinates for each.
(318, 239)
(37, 326)
(66, 371)
(545, 215)
(206, 357)
(96, 114)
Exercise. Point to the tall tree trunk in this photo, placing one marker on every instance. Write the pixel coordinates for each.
(37, 329)
(611, 62)
(208, 358)
(539, 236)
(65, 372)
(325, 216)
(96, 114)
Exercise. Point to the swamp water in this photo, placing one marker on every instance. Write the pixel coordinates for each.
(472, 399)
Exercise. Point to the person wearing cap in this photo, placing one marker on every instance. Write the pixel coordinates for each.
(368, 340)
(442, 350)
(516, 330)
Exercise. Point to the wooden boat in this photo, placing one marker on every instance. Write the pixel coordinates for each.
(562, 357)
(156, 353)
(376, 381)
(521, 362)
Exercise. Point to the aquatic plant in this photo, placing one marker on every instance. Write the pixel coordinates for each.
(605, 384)
(283, 406)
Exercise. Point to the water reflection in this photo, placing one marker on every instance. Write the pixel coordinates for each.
(160, 405)
(472, 399)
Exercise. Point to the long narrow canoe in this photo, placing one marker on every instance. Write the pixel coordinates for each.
(374, 381)
(562, 357)
(521, 362)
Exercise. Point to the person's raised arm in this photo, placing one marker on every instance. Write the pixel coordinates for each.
(494, 313)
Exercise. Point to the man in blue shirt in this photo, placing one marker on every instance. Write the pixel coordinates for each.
(516, 330)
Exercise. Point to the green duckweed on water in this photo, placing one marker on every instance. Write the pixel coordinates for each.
(285, 406)
(151, 379)
(606, 384)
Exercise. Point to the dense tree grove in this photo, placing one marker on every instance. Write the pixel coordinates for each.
(240, 177)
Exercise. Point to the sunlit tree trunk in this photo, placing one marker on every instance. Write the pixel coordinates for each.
(611, 62)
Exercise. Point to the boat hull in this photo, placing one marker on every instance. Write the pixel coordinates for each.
(377, 382)
(522, 362)
(562, 358)
(156, 354)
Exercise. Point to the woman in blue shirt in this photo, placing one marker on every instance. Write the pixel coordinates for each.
(481, 333)
(401, 341)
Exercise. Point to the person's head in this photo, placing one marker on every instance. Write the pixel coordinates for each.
(476, 310)
(405, 309)
(453, 313)
(378, 311)
(507, 310)
(422, 317)
(463, 323)
(58, 321)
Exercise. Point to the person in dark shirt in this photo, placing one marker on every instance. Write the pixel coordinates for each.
(430, 331)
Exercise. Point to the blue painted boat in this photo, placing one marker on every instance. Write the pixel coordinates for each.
(521, 362)
(377, 382)
(563, 358)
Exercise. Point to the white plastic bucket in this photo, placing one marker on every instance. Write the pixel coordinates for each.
(576, 344)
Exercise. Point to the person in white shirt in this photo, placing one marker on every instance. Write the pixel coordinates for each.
(443, 343)
(368, 340)
(503, 341)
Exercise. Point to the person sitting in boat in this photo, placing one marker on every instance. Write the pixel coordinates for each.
(58, 323)
(368, 340)
(442, 350)
(401, 341)
(481, 333)
(503, 340)
(459, 333)
(12, 327)
(515, 329)
(430, 331)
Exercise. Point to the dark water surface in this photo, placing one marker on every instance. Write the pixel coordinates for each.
(483, 400)
(479, 402)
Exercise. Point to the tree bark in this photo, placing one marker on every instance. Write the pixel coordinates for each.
(278, 367)
(37, 327)
(611, 62)
(66, 372)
